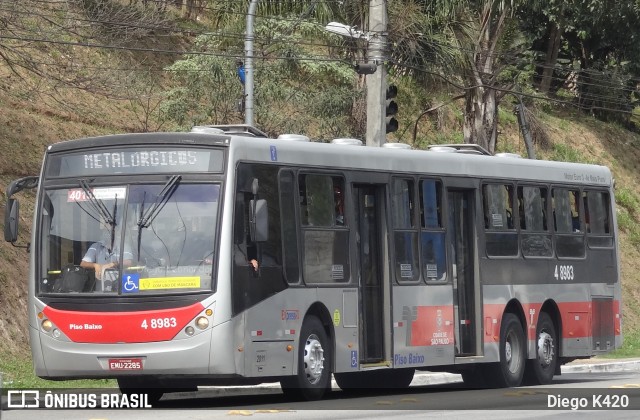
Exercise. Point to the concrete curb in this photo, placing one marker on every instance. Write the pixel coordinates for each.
(602, 366)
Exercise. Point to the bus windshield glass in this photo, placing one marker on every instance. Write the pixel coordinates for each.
(129, 239)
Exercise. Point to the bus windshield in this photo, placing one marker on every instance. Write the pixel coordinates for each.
(129, 239)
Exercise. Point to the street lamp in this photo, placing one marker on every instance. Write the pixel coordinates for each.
(376, 83)
(346, 30)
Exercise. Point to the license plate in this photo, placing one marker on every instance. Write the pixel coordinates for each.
(125, 364)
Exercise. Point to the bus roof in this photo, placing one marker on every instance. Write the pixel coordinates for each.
(343, 155)
(400, 160)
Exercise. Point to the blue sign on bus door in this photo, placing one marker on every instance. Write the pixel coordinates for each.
(274, 153)
(354, 358)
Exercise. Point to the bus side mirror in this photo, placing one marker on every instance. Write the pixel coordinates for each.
(12, 211)
(259, 221)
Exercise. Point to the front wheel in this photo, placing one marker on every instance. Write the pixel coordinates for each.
(541, 369)
(510, 369)
(314, 363)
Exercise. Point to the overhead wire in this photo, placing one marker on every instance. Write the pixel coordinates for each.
(584, 95)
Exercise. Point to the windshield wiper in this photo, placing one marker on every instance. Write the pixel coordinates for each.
(147, 217)
(98, 205)
(162, 199)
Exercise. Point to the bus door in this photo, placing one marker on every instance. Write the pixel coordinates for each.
(369, 206)
(461, 259)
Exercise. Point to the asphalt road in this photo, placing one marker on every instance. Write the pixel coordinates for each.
(593, 390)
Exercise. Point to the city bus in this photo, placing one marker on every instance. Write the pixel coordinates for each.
(238, 259)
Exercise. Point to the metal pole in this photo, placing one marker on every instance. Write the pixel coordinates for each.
(248, 64)
(377, 82)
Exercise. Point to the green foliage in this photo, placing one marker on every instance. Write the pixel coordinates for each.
(630, 346)
(295, 91)
(627, 199)
(625, 222)
(564, 153)
(17, 372)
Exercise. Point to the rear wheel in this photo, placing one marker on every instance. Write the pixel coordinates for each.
(314, 363)
(541, 369)
(510, 369)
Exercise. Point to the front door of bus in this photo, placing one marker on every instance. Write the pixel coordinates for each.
(461, 238)
(369, 200)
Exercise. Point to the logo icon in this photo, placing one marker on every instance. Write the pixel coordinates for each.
(23, 399)
(130, 283)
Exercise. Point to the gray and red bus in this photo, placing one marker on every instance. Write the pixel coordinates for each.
(241, 259)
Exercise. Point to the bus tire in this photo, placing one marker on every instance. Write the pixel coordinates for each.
(541, 369)
(314, 363)
(510, 369)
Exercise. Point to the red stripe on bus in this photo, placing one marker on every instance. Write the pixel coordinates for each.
(576, 319)
(122, 327)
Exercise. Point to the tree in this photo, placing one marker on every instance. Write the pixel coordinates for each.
(488, 43)
(297, 89)
(598, 40)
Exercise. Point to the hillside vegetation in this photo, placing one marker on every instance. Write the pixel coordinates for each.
(147, 87)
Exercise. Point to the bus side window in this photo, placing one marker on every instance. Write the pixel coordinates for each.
(535, 240)
(501, 237)
(569, 238)
(405, 235)
(597, 217)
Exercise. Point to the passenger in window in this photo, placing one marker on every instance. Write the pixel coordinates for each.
(339, 205)
(509, 208)
(575, 214)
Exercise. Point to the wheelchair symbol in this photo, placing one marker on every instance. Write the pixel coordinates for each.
(130, 285)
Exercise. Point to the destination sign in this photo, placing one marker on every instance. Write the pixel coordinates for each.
(135, 161)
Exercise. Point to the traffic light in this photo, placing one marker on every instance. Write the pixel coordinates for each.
(391, 109)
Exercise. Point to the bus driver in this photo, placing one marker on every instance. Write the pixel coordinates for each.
(100, 257)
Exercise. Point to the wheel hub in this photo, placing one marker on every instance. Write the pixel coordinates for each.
(313, 359)
(507, 351)
(546, 350)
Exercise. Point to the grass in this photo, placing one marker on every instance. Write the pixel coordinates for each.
(17, 372)
(566, 153)
(627, 199)
(630, 347)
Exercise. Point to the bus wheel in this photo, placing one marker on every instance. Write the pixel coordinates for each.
(541, 369)
(314, 363)
(512, 353)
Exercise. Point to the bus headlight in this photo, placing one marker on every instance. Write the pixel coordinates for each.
(202, 322)
(189, 330)
(47, 325)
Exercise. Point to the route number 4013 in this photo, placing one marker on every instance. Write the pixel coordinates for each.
(563, 272)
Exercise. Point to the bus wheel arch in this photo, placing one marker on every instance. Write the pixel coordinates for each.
(314, 360)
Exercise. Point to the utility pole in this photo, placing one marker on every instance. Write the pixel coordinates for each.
(524, 126)
(377, 82)
(248, 64)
